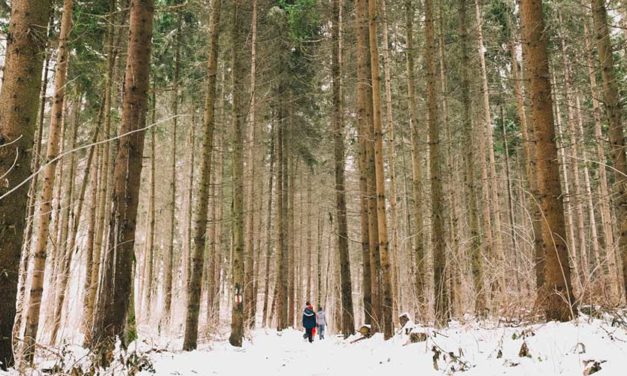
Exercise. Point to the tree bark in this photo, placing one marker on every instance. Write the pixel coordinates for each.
(555, 295)
(19, 101)
(200, 222)
(249, 267)
(45, 209)
(487, 135)
(269, 227)
(347, 326)
(613, 110)
(476, 254)
(386, 303)
(391, 160)
(364, 119)
(441, 292)
(169, 266)
(104, 187)
(116, 288)
(237, 312)
(419, 251)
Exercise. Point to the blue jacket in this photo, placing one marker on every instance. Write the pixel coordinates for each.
(309, 318)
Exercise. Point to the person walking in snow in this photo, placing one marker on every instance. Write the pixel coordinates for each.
(321, 321)
(309, 321)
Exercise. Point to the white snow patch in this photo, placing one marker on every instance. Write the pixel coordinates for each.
(478, 349)
(555, 349)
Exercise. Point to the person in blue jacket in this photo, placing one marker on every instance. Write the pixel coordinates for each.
(309, 321)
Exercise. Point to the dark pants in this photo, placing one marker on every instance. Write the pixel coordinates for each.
(309, 334)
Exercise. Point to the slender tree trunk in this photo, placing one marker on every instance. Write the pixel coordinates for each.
(383, 245)
(309, 292)
(169, 266)
(347, 323)
(416, 164)
(116, 288)
(200, 223)
(556, 294)
(510, 201)
(269, 227)
(391, 157)
(487, 136)
(476, 254)
(441, 292)
(91, 254)
(237, 313)
(250, 170)
(602, 188)
(150, 269)
(291, 172)
(280, 300)
(56, 119)
(613, 110)
(190, 201)
(66, 208)
(577, 196)
(529, 156)
(567, 197)
(594, 236)
(453, 229)
(105, 172)
(65, 272)
(364, 117)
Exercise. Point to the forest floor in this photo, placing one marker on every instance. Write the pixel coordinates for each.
(580, 347)
(475, 349)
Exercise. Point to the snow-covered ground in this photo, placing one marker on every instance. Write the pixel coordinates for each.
(484, 349)
(554, 349)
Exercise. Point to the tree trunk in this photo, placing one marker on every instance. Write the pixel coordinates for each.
(416, 164)
(441, 307)
(583, 261)
(291, 172)
(510, 201)
(613, 109)
(32, 197)
(150, 268)
(104, 186)
(269, 227)
(602, 188)
(52, 153)
(65, 272)
(249, 267)
(391, 158)
(169, 266)
(364, 118)
(116, 288)
(347, 323)
(91, 254)
(387, 303)
(529, 156)
(566, 198)
(237, 312)
(594, 236)
(555, 295)
(280, 300)
(200, 223)
(476, 255)
(18, 116)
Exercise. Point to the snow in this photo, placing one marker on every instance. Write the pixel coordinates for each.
(485, 348)
(555, 349)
